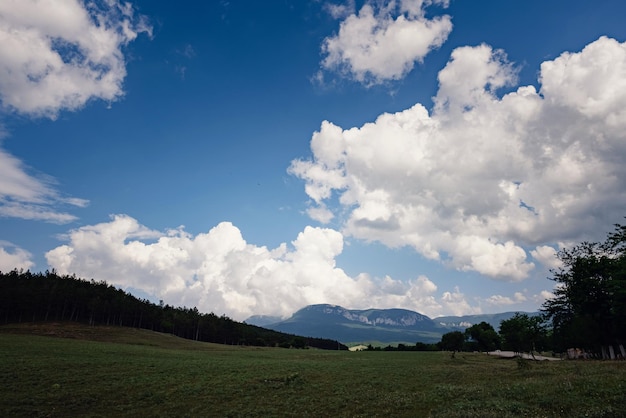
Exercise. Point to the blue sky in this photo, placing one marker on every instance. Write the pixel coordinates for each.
(256, 157)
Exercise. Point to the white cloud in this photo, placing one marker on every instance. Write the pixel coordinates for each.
(456, 304)
(27, 197)
(219, 271)
(480, 178)
(384, 40)
(471, 77)
(320, 213)
(499, 300)
(543, 296)
(547, 256)
(340, 11)
(56, 56)
(13, 257)
(15, 182)
(59, 55)
(592, 82)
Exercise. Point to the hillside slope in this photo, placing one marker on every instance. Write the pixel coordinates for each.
(27, 297)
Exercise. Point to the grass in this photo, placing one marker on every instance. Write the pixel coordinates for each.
(103, 372)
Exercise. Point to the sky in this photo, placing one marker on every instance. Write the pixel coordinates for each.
(252, 158)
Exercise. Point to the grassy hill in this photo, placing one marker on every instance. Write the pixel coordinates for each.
(47, 297)
(121, 372)
(108, 334)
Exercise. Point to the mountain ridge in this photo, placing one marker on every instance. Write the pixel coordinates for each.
(384, 325)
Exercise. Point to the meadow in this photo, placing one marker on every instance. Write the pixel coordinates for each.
(116, 372)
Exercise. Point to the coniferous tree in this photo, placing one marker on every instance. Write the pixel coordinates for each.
(28, 297)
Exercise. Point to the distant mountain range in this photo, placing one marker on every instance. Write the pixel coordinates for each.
(372, 325)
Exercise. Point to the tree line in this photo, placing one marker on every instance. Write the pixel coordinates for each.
(522, 333)
(587, 312)
(34, 297)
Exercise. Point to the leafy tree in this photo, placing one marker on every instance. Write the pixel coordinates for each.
(453, 341)
(298, 342)
(483, 337)
(420, 346)
(523, 333)
(589, 307)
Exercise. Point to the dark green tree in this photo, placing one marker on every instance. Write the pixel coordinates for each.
(589, 307)
(483, 337)
(523, 333)
(453, 341)
(35, 297)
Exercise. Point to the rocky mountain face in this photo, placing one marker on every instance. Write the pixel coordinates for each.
(373, 317)
(371, 325)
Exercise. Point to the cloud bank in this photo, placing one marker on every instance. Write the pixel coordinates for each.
(480, 179)
(384, 40)
(220, 272)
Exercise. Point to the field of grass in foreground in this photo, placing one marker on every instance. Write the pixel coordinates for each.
(129, 372)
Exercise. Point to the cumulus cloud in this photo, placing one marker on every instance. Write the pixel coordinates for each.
(384, 40)
(13, 257)
(320, 213)
(500, 300)
(59, 55)
(481, 178)
(56, 56)
(547, 256)
(456, 303)
(219, 271)
(543, 296)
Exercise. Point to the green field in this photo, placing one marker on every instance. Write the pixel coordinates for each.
(112, 372)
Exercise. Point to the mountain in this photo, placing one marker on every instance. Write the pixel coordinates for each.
(369, 325)
(347, 325)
